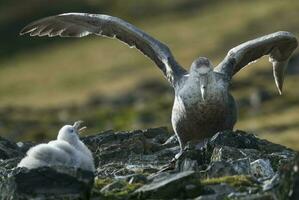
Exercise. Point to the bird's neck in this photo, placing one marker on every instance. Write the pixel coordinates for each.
(75, 143)
(80, 146)
(71, 140)
(215, 88)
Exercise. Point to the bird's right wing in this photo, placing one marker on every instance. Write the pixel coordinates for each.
(279, 46)
(83, 24)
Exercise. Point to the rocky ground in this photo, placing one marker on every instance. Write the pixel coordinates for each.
(139, 165)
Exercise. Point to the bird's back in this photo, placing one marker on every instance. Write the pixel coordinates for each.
(57, 153)
(48, 155)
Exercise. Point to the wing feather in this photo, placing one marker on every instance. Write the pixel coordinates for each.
(83, 24)
(279, 46)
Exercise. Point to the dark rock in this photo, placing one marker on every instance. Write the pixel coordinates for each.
(218, 192)
(133, 151)
(25, 146)
(9, 164)
(225, 153)
(222, 168)
(261, 168)
(294, 192)
(139, 165)
(46, 183)
(233, 154)
(178, 185)
(236, 139)
(8, 149)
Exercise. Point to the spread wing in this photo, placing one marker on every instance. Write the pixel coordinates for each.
(279, 46)
(83, 24)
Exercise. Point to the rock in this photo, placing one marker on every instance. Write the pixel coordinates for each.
(294, 192)
(131, 151)
(218, 192)
(178, 185)
(8, 149)
(271, 183)
(139, 165)
(225, 153)
(261, 168)
(229, 155)
(189, 165)
(24, 146)
(219, 169)
(46, 183)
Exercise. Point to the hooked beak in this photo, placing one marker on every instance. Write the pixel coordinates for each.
(78, 128)
(278, 72)
(203, 87)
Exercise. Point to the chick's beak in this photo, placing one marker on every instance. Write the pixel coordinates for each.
(78, 128)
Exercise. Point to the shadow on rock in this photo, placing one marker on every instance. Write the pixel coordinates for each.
(139, 165)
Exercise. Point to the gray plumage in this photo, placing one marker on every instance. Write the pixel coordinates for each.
(202, 104)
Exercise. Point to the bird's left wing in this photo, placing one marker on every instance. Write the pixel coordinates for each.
(279, 46)
(83, 24)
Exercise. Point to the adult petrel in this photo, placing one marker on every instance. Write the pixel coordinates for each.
(202, 104)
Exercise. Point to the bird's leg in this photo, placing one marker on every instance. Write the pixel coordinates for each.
(178, 155)
(201, 144)
(194, 145)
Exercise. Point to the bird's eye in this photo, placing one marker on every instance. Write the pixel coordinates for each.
(71, 130)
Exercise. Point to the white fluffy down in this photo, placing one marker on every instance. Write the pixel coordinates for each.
(67, 150)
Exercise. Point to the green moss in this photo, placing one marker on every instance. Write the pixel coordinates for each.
(123, 191)
(100, 183)
(234, 181)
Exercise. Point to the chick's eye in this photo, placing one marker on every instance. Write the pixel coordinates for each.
(71, 130)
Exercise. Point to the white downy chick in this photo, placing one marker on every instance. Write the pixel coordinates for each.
(67, 150)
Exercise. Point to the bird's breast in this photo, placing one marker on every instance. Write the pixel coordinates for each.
(189, 102)
(195, 117)
(190, 94)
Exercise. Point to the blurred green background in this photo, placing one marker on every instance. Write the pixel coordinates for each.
(48, 82)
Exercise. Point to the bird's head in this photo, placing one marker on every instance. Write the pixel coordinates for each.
(201, 66)
(70, 133)
(200, 70)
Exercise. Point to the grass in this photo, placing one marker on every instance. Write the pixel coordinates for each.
(48, 78)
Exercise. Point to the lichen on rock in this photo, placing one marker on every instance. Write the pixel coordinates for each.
(139, 165)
